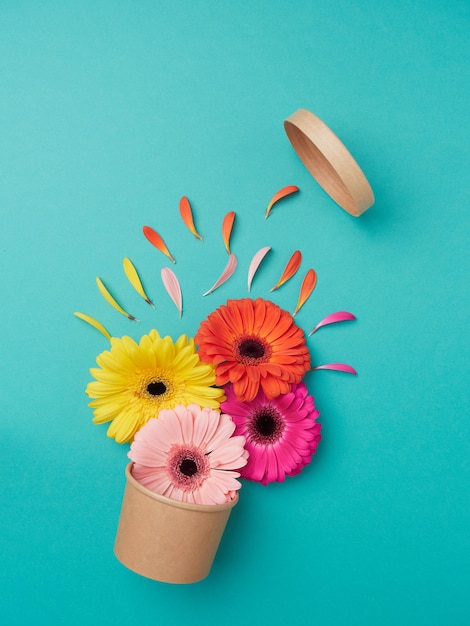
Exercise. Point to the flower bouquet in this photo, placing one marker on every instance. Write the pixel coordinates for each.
(200, 413)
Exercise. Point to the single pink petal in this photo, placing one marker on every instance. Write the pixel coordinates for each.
(272, 469)
(169, 428)
(187, 426)
(171, 284)
(201, 425)
(226, 274)
(340, 316)
(210, 493)
(255, 263)
(258, 458)
(148, 456)
(229, 455)
(339, 367)
(212, 426)
(224, 431)
(155, 480)
(226, 481)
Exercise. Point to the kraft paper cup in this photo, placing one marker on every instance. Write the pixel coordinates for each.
(167, 540)
(329, 162)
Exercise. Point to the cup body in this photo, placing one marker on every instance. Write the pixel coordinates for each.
(168, 540)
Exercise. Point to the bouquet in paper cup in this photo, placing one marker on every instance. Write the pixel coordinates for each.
(201, 413)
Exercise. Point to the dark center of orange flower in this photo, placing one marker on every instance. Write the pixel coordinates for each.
(266, 425)
(252, 350)
(188, 467)
(156, 388)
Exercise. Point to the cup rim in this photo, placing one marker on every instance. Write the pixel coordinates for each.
(203, 508)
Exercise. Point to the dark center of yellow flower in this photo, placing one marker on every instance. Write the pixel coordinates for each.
(156, 388)
(266, 425)
(188, 467)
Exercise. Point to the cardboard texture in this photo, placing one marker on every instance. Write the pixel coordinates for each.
(167, 540)
(329, 162)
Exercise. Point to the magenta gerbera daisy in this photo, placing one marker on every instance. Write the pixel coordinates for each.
(189, 454)
(281, 434)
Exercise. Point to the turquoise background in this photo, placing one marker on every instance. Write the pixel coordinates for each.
(109, 113)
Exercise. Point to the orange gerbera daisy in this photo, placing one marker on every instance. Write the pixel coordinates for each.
(253, 344)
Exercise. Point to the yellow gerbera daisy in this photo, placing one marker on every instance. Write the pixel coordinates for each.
(135, 381)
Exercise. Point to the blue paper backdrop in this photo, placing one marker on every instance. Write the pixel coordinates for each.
(109, 113)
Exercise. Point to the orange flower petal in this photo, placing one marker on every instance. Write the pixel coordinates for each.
(157, 241)
(308, 285)
(187, 216)
(282, 193)
(227, 226)
(290, 269)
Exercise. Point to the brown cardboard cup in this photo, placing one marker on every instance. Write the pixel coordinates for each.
(329, 162)
(165, 539)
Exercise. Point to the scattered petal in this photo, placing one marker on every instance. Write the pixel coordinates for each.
(339, 316)
(171, 284)
(227, 226)
(134, 280)
(282, 193)
(91, 320)
(109, 298)
(157, 241)
(187, 216)
(290, 269)
(308, 285)
(255, 263)
(338, 367)
(228, 271)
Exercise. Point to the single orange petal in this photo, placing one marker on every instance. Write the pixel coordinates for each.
(282, 193)
(157, 241)
(290, 269)
(187, 216)
(227, 226)
(308, 285)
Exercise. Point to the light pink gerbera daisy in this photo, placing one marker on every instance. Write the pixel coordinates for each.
(189, 454)
(281, 434)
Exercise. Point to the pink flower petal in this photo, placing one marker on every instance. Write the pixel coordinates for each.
(255, 263)
(338, 367)
(226, 274)
(333, 318)
(173, 288)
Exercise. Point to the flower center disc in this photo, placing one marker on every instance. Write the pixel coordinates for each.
(156, 388)
(188, 467)
(266, 425)
(252, 350)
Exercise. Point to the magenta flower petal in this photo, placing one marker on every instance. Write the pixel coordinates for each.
(281, 434)
(188, 454)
